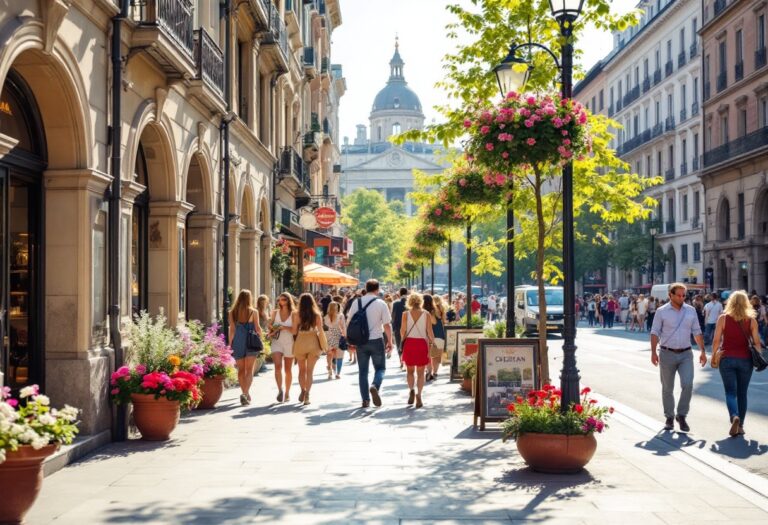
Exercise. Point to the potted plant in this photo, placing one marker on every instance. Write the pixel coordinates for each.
(212, 360)
(551, 440)
(156, 380)
(468, 370)
(30, 431)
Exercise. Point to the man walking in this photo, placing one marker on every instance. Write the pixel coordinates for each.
(712, 311)
(397, 316)
(624, 305)
(379, 319)
(673, 326)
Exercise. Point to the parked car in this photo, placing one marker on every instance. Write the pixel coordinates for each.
(527, 308)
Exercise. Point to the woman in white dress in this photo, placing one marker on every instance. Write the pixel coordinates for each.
(284, 318)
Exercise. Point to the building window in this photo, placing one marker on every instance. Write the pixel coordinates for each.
(670, 106)
(696, 252)
(722, 56)
(682, 40)
(594, 105)
(685, 208)
(763, 112)
(683, 97)
(760, 32)
(648, 166)
(669, 50)
(601, 100)
(696, 205)
(695, 89)
(396, 128)
(684, 253)
(658, 163)
(742, 122)
(658, 112)
(739, 46)
(695, 146)
(724, 129)
(741, 216)
(671, 157)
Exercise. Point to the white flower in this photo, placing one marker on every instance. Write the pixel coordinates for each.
(2, 455)
(43, 400)
(47, 419)
(39, 442)
(28, 391)
(69, 413)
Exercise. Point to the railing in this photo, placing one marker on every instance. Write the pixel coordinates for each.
(634, 142)
(694, 109)
(752, 141)
(618, 105)
(683, 169)
(277, 33)
(314, 122)
(669, 124)
(289, 217)
(657, 130)
(611, 110)
(669, 174)
(740, 231)
(291, 163)
(656, 76)
(722, 81)
(646, 84)
(669, 68)
(632, 95)
(681, 59)
(327, 128)
(669, 227)
(683, 115)
(695, 223)
(760, 58)
(173, 16)
(739, 70)
(309, 57)
(209, 61)
(707, 90)
(694, 50)
(325, 64)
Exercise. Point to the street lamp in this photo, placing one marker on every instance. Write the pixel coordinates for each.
(511, 75)
(653, 230)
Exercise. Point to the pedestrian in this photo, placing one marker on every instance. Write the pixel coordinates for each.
(434, 307)
(379, 323)
(591, 307)
(325, 301)
(284, 318)
(631, 322)
(417, 335)
(611, 310)
(604, 310)
(243, 318)
(310, 342)
(398, 307)
(642, 311)
(351, 297)
(475, 306)
(760, 312)
(673, 326)
(624, 302)
(653, 304)
(336, 330)
(491, 308)
(712, 311)
(733, 330)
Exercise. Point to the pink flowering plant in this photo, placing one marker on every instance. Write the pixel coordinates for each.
(207, 351)
(429, 235)
(528, 129)
(30, 420)
(539, 413)
(444, 210)
(478, 186)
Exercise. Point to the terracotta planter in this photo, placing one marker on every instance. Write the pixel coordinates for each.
(466, 384)
(21, 478)
(212, 389)
(556, 453)
(155, 418)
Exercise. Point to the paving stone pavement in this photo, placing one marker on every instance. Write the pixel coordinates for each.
(333, 462)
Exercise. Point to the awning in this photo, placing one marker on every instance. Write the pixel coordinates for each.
(319, 274)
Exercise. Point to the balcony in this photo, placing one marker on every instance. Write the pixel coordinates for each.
(740, 146)
(632, 95)
(164, 29)
(209, 63)
(695, 224)
(694, 109)
(657, 130)
(694, 50)
(722, 81)
(669, 68)
(293, 171)
(707, 90)
(619, 105)
(739, 71)
(695, 163)
(683, 169)
(646, 84)
(669, 124)
(760, 58)
(611, 110)
(289, 220)
(309, 63)
(683, 115)
(669, 226)
(313, 141)
(656, 76)
(325, 66)
(634, 142)
(669, 174)
(681, 59)
(275, 40)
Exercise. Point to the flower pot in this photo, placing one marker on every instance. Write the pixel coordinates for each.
(466, 384)
(556, 453)
(155, 418)
(21, 478)
(211, 389)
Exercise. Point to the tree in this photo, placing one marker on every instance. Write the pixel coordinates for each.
(372, 224)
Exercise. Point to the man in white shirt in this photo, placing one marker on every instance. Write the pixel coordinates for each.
(712, 311)
(492, 308)
(379, 323)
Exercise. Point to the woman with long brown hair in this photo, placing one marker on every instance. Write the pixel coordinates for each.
(263, 309)
(284, 318)
(310, 342)
(336, 330)
(242, 319)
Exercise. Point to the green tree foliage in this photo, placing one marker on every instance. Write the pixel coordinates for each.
(372, 224)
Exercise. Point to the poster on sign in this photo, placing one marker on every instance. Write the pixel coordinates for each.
(326, 217)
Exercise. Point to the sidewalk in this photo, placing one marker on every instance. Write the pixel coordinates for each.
(332, 462)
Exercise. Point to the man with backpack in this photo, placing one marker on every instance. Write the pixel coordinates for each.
(369, 319)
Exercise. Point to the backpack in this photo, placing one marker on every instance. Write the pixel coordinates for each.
(357, 329)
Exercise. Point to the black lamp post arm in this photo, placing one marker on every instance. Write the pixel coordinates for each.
(515, 47)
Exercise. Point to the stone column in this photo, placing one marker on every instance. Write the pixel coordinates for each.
(201, 266)
(235, 228)
(248, 258)
(77, 363)
(266, 272)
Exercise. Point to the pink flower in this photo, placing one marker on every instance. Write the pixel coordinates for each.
(531, 100)
(12, 402)
(557, 122)
(504, 155)
(489, 146)
(599, 426)
(512, 95)
(566, 142)
(528, 123)
(583, 118)
(531, 141)
(564, 132)
(141, 369)
(484, 130)
(438, 212)
(462, 182)
(5, 392)
(500, 179)
(467, 123)
(115, 391)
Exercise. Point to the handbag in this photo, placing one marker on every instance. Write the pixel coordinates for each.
(758, 361)
(253, 342)
(343, 345)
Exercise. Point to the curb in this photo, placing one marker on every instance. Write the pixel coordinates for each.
(82, 446)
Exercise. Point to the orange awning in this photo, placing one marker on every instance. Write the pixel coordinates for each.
(319, 274)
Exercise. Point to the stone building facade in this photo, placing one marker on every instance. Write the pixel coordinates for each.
(56, 128)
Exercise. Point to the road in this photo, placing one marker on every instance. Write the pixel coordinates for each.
(617, 364)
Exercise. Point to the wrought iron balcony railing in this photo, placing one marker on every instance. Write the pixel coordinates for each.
(760, 58)
(739, 71)
(722, 81)
(681, 59)
(656, 76)
(669, 68)
(209, 61)
(747, 143)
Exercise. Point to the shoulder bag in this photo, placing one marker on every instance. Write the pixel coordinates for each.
(758, 361)
(253, 342)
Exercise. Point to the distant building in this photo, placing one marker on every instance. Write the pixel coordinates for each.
(374, 162)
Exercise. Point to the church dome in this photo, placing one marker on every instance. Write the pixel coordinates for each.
(396, 95)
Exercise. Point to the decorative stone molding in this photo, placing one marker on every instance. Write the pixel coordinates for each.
(161, 95)
(200, 136)
(761, 89)
(7, 144)
(86, 179)
(53, 13)
(741, 101)
(722, 109)
(131, 190)
(170, 208)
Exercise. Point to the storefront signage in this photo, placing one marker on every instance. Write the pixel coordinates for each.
(325, 216)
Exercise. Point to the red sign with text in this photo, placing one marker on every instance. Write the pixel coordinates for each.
(325, 217)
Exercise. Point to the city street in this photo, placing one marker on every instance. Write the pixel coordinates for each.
(617, 364)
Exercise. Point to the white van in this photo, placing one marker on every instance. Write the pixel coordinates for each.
(527, 308)
(661, 291)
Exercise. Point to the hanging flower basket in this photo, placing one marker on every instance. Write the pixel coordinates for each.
(443, 213)
(528, 129)
(430, 236)
(477, 186)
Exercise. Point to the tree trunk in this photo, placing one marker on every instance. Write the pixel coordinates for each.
(543, 350)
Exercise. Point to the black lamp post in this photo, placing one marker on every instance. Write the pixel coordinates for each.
(511, 75)
(653, 231)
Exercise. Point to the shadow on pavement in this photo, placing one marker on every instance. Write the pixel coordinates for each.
(738, 447)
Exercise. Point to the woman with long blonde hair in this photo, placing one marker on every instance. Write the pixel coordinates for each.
(263, 309)
(243, 319)
(309, 344)
(416, 335)
(284, 318)
(734, 328)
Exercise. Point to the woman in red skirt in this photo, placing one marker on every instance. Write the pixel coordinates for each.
(416, 334)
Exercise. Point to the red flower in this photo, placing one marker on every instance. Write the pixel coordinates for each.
(511, 407)
(610, 410)
(592, 401)
(578, 409)
(586, 390)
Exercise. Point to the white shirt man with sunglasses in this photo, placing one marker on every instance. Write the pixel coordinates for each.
(673, 326)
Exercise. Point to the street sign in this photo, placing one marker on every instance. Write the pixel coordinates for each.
(325, 216)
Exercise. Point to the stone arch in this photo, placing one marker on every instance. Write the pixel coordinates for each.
(723, 219)
(157, 141)
(247, 208)
(198, 163)
(248, 241)
(59, 91)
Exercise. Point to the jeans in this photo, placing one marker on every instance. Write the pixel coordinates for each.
(373, 350)
(736, 373)
(339, 364)
(670, 364)
(709, 331)
(591, 318)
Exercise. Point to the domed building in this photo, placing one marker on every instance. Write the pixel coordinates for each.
(375, 163)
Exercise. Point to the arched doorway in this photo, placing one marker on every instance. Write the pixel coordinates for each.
(21, 234)
(265, 253)
(200, 242)
(248, 243)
